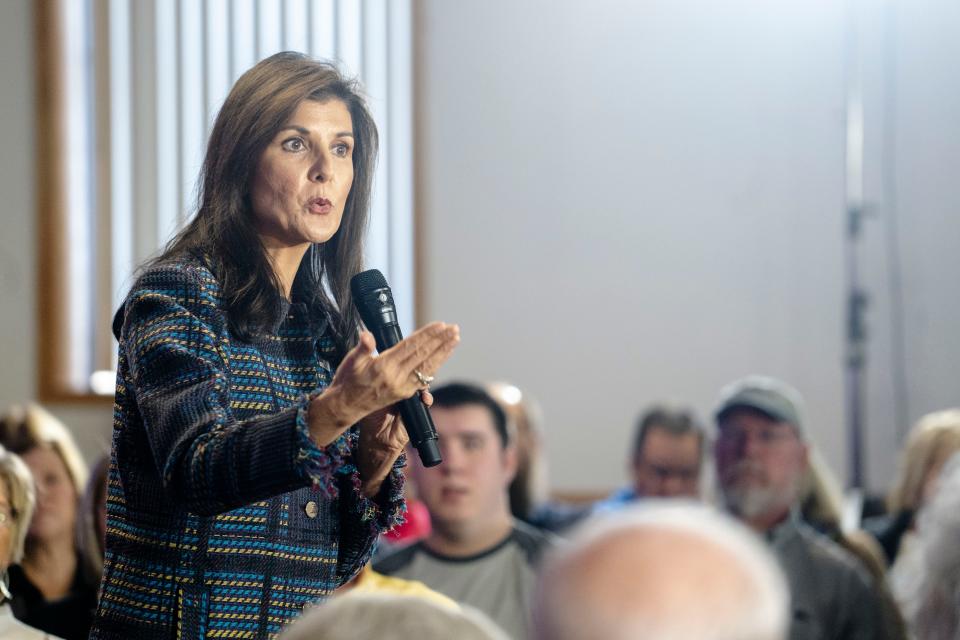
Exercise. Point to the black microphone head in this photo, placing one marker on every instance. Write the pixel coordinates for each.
(373, 299)
(367, 281)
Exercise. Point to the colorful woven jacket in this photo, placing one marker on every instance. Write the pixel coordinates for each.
(223, 517)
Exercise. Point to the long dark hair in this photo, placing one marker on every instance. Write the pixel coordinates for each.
(261, 102)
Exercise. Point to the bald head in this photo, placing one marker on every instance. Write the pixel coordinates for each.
(662, 571)
(391, 616)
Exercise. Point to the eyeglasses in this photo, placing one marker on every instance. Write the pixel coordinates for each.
(735, 435)
(663, 473)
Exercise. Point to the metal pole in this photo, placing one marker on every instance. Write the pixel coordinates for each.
(857, 300)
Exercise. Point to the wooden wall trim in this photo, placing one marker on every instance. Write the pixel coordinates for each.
(52, 385)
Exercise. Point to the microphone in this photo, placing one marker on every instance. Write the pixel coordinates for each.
(374, 301)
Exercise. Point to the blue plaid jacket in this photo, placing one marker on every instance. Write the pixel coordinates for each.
(223, 518)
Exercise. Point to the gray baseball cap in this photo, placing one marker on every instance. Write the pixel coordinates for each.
(767, 395)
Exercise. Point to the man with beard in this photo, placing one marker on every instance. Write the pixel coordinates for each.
(762, 460)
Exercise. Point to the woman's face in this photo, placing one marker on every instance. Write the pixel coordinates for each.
(56, 512)
(6, 526)
(304, 176)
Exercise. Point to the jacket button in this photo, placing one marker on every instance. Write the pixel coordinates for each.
(311, 509)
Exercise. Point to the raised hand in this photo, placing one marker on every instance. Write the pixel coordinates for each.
(366, 382)
(383, 438)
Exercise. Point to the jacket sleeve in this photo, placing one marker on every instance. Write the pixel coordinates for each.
(173, 339)
(362, 519)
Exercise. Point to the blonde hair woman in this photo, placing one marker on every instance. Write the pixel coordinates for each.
(931, 442)
(930, 591)
(16, 508)
(933, 439)
(56, 583)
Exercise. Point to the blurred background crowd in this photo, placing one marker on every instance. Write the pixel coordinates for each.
(731, 526)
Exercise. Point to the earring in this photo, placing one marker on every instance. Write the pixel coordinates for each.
(5, 586)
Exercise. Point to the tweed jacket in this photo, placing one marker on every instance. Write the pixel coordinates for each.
(223, 517)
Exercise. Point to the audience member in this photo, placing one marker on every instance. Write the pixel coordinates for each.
(56, 584)
(665, 459)
(821, 506)
(762, 459)
(934, 438)
(476, 553)
(390, 617)
(927, 582)
(17, 502)
(529, 490)
(659, 570)
(529, 486)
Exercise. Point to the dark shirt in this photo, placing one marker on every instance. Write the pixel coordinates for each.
(889, 531)
(69, 617)
(831, 594)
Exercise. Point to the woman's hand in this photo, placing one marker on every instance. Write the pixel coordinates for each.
(366, 383)
(383, 438)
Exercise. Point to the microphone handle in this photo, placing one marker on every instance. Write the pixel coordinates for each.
(416, 418)
(415, 415)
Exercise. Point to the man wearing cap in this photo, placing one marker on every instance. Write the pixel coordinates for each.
(762, 460)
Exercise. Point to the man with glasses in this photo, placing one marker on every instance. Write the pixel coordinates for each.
(665, 460)
(762, 461)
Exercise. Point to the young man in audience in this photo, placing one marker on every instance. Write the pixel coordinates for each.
(665, 461)
(762, 459)
(476, 553)
(660, 570)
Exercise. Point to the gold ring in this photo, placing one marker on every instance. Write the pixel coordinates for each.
(424, 380)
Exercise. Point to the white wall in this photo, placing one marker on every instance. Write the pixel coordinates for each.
(912, 94)
(927, 145)
(630, 201)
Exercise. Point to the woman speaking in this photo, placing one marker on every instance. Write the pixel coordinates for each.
(256, 454)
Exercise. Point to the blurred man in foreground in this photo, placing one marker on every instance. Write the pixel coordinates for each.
(383, 616)
(656, 570)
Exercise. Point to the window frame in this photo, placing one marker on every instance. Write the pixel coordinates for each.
(52, 376)
(52, 383)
